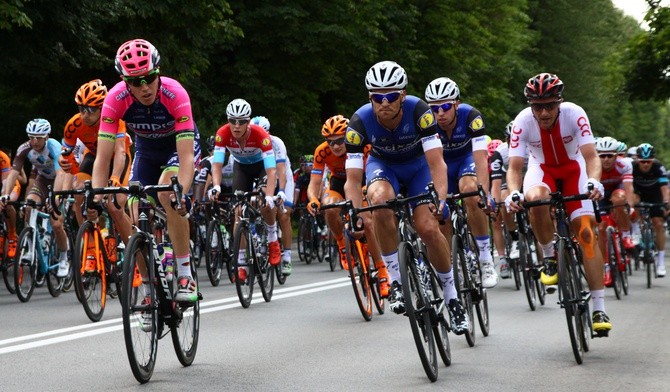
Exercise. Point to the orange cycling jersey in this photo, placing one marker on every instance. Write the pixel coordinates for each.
(5, 167)
(76, 129)
(324, 157)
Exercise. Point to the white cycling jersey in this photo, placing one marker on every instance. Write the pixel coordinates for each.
(281, 155)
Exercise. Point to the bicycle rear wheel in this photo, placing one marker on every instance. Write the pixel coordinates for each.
(90, 285)
(623, 266)
(333, 252)
(359, 278)
(186, 332)
(139, 310)
(8, 274)
(437, 319)
(526, 264)
(244, 288)
(570, 297)
(416, 309)
(265, 271)
(54, 283)
(25, 265)
(612, 263)
(463, 283)
(214, 253)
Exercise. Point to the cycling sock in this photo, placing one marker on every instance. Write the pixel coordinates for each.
(272, 232)
(447, 280)
(392, 266)
(598, 297)
(661, 258)
(287, 255)
(635, 227)
(62, 256)
(484, 245)
(242, 259)
(184, 265)
(547, 249)
(625, 233)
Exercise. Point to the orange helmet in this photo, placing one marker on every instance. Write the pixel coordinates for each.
(335, 126)
(92, 94)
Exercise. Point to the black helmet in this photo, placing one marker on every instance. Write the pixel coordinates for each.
(646, 151)
(544, 85)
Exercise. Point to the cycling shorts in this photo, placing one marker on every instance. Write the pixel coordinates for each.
(414, 175)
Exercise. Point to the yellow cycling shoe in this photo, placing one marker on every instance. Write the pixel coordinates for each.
(601, 323)
(549, 275)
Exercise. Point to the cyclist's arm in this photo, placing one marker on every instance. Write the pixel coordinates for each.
(272, 180)
(514, 177)
(593, 165)
(11, 179)
(496, 192)
(482, 168)
(314, 188)
(281, 173)
(23, 179)
(438, 170)
(119, 156)
(665, 191)
(353, 189)
(185, 149)
(630, 193)
(103, 156)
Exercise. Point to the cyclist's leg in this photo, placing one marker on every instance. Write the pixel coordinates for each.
(285, 224)
(659, 232)
(119, 217)
(537, 185)
(333, 220)
(622, 217)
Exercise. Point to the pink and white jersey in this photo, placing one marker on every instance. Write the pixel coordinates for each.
(621, 172)
(556, 147)
(158, 125)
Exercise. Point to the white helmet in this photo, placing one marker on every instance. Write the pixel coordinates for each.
(632, 151)
(38, 127)
(607, 144)
(262, 121)
(442, 89)
(238, 108)
(386, 75)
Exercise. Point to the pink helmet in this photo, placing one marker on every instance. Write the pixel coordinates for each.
(493, 144)
(136, 57)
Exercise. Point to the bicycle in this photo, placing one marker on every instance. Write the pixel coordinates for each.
(573, 295)
(148, 307)
(6, 262)
(647, 239)
(465, 262)
(529, 261)
(36, 255)
(362, 272)
(308, 237)
(615, 255)
(515, 267)
(424, 303)
(251, 229)
(218, 241)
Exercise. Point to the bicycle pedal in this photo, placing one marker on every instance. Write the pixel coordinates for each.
(551, 289)
(601, 334)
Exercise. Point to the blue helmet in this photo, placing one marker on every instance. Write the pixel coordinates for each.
(262, 121)
(646, 151)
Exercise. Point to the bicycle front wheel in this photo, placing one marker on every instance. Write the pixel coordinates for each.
(265, 271)
(416, 305)
(186, 332)
(25, 265)
(611, 261)
(440, 324)
(463, 283)
(214, 252)
(244, 287)
(358, 275)
(54, 283)
(570, 296)
(89, 280)
(139, 310)
(526, 264)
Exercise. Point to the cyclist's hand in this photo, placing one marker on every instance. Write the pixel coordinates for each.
(313, 206)
(513, 201)
(93, 209)
(114, 181)
(182, 211)
(3, 201)
(281, 195)
(64, 164)
(442, 212)
(598, 189)
(213, 192)
(270, 202)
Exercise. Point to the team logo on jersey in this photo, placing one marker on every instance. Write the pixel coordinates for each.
(477, 123)
(354, 138)
(266, 142)
(427, 120)
(218, 138)
(567, 139)
(108, 120)
(183, 119)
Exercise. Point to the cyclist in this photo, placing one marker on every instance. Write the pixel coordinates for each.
(14, 193)
(301, 178)
(42, 152)
(157, 110)
(203, 175)
(332, 154)
(498, 160)
(405, 150)
(622, 150)
(462, 130)
(251, 147)
(83, 128)
(285, 192)
(558, 136)
(651, 186)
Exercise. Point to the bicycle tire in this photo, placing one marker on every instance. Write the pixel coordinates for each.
(462, 281)
(90, 285)
(214, 252)
(68, 281)
(480, 294)
(439, 322)
(359, 279)
(526, 264)
(54, 283)
(568, 295)
(245, 289)
(333, 252)
(623, 266)
(612, 263)
(415, 309)
(8, 274)
(380, 303)
(25, 271)
(264, 270)
(515, 267)
(197, 242)
(141, 345)
(539, 287)
(186, 333)
(302, 228)
(648, 254)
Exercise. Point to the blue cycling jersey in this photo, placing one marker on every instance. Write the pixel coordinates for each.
(469, 124)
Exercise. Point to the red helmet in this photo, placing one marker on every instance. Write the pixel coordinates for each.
(136, 57)
(493, 144)
(544, 85)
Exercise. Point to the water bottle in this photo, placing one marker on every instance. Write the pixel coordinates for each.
(168, 261)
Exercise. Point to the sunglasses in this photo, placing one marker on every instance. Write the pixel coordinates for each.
(35, 137)
(538, 107)
(607, 156)
(333, 142)
(87, 109)
(238, 121)
(389, 97)
(445, 107)
(646, 161)
(138, 81)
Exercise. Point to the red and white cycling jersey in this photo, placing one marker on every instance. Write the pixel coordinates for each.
(621, 172)
(258, 146)
(555, 147)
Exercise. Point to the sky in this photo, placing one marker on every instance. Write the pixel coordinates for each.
(635, 8)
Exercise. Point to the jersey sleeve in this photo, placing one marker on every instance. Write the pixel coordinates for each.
(477, 130)
(356, 140)
(70, 131)
(320, 154)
